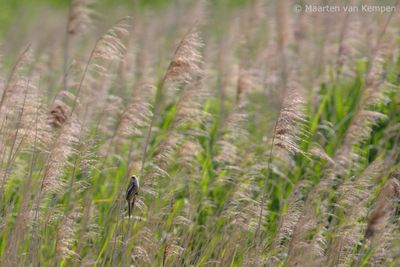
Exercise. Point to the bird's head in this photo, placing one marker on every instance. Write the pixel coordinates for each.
(135, 181)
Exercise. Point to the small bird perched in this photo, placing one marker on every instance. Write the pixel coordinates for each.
(131, 192)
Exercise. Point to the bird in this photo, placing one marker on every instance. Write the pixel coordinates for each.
(131, 192)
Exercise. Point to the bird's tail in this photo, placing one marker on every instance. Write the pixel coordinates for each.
(129, 209)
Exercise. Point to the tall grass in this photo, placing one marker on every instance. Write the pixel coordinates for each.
(260, 137)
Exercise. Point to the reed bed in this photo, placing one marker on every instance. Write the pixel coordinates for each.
(260, 136)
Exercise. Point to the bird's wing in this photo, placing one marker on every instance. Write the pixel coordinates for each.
(129, 190)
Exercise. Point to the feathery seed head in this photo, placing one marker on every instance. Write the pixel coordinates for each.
(185, 64)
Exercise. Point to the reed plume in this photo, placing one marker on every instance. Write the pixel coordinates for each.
(384, 206)
(183, 68)
(288, 130)
(79, 17)
(79, 22)
(289, 217)
(66, 236)
(353, 197)
(16, 84)
(108, 49)
(136, 114)
(382, 225)
(186, 62)
(58, 114)
(287, 135)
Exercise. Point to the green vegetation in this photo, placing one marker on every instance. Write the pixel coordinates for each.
(257, 139)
